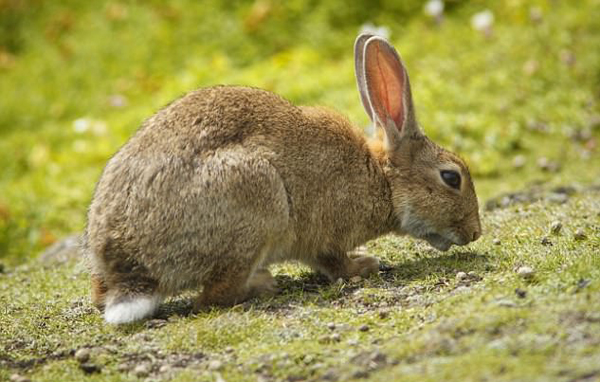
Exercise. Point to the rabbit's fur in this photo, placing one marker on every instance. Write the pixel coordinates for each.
(227, 180)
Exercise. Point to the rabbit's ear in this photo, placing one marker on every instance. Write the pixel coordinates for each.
(359, 70)
(388, 90)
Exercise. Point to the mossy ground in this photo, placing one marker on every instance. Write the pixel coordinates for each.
(77, 78)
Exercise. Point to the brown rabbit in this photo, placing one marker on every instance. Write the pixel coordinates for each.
(227, 180)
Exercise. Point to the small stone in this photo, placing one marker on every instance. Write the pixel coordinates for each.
(525, 272)
(579, 235)
(142, 371)
(360, 374)
(229, 349)
(308, 359)
(89, 368)
(164, 369)
(545, 241)
(496, 241)
(123, 368)
(506, 303)
(215, 365)
(331, 325)
(364, 328)
(557, 198)
(82, 355)
(460, 276)
(155, 323)
(335, 337)
(548, 165)
(330, 375)
(355, 279)
(19, 378)
(521, 293)
(556, 227)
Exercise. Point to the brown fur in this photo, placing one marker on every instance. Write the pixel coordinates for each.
(227, 180)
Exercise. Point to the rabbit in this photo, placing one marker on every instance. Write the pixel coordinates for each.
(227, 180)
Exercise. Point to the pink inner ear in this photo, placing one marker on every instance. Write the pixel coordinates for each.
(386, 80)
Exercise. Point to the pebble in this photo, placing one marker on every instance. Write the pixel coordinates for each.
(155, 323)
(496, 241)
(506, 303)
(89, 368)
(364, 328)
(521, 293)
(556, 227)
(335, 337)
(355, 279)
(164, 369)
(123, 368)
(460, 276)
(82, 355)
(557, 198)
(579, 235)
(525, 272)
(548, 165)
(545, 241)
(19, 378)
(215, 365)
(141, 371)
(330, 375)
(331, 326)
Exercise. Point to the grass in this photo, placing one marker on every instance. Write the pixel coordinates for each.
(78, 78)
(422, 322)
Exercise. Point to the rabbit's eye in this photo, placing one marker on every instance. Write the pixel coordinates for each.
(451, 178)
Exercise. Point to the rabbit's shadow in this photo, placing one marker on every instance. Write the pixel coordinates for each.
(311, 287)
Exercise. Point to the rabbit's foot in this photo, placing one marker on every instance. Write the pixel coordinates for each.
(341, 265)
(262, 283)
(225, 290)
(363, 265)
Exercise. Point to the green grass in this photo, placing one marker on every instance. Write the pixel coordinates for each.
(422, 322)
(77, 78)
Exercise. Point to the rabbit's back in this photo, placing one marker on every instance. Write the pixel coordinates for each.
(226, 170)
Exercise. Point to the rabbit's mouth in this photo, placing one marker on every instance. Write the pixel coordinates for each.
(438, 241)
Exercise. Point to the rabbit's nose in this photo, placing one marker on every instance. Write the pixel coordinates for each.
(476, 235)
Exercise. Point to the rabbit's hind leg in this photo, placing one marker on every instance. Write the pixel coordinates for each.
(99, 290)
(130, 297)
(233, 287)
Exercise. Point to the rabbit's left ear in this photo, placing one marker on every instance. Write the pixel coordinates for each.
(359, 70)
(387, 89)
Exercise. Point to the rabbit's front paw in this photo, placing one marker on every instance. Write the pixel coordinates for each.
(363, 266)
(262, 283)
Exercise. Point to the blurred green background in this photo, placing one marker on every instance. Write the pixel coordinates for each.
(513, 86)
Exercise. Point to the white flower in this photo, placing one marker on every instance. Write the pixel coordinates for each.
(81, 125)
(482, 21)
(434, 8)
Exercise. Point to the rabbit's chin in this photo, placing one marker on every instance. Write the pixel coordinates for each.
(438, 241)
